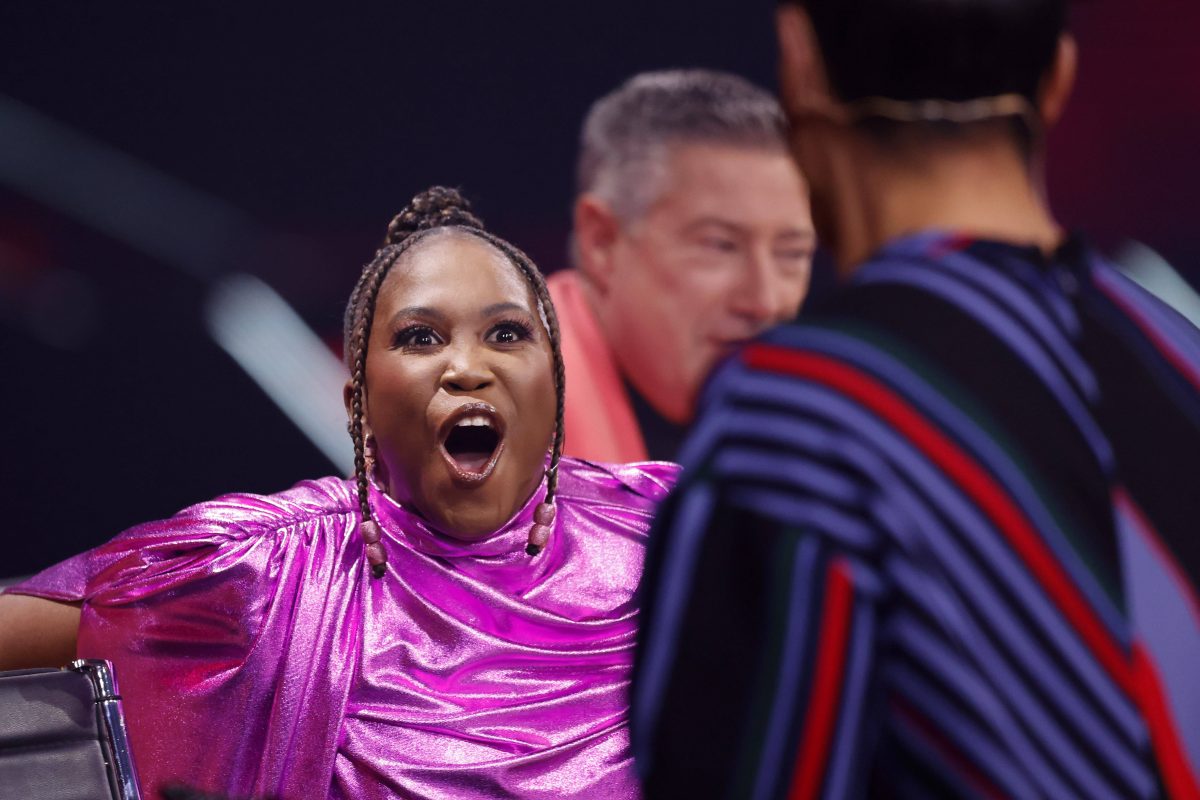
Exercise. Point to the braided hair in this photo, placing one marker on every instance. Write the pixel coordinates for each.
(437, 208)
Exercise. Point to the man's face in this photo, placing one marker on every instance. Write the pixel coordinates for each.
(724, 252)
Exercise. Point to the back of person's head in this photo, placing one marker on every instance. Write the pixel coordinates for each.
(627, 132)
(943, 49)
(935, 50)
(914, 114)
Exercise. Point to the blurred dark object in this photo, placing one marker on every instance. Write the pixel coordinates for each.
(62, 735)
(186, 793)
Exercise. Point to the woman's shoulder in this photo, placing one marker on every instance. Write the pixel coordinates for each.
(307, 510)
(238, 532)
(648, 480)
(249, 513)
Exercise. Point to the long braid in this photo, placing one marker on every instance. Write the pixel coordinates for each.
(438, 207)
(363, 307)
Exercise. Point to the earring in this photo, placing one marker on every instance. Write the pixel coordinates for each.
(369, 455)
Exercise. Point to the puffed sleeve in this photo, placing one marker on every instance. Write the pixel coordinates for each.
(204, 614)
(155, 556)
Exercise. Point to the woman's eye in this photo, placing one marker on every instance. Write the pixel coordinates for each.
(509, 333)
(416, 336)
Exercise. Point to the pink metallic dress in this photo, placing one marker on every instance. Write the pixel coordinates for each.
(257, 657)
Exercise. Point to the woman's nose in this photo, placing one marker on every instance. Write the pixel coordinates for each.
(467, 370)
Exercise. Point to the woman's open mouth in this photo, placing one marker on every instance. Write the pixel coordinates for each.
(472, 439)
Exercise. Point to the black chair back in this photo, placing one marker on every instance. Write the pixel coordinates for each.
(62, 735)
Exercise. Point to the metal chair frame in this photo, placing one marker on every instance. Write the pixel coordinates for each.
(110, 729)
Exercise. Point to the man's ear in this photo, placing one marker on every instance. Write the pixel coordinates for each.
(596, 232)
(1058, 81)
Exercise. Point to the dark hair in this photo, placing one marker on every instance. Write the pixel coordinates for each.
(953, 50)
(436, 208)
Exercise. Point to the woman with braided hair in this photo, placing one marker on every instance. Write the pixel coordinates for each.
(456, 621)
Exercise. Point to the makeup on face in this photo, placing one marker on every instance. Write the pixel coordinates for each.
(460, 385)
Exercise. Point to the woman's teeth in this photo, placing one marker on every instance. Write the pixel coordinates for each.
(471, 445)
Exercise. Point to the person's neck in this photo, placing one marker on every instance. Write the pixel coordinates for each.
(984, 189)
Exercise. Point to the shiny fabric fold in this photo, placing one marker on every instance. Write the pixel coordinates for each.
(258, 658)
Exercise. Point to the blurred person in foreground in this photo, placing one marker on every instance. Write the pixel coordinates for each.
(938, 537)
(691, 234)
(456, 621)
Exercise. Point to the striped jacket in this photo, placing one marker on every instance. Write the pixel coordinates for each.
(940, 538)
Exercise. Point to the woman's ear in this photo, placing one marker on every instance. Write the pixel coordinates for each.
(348, 397)
(1058, 81)
(348, 401)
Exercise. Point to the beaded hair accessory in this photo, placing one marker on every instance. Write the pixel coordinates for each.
(960, 112)
(543, 516)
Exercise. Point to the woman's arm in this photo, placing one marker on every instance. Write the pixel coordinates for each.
(35, 632)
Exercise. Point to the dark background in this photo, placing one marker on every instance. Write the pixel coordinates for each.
(311, 127)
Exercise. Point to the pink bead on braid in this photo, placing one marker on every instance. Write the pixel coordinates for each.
(539, 534)
(376, 556)
(543, 515)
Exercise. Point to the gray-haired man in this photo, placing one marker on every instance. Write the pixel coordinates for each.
(692, 233)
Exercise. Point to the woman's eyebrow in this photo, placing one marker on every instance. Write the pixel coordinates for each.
(499, 308)
(419, 311)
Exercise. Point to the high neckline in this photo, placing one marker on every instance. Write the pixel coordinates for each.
(403, 523)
